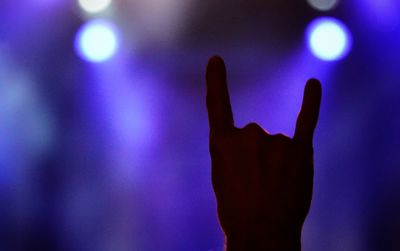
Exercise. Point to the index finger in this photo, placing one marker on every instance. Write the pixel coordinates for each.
(218, 103)
(308, 116)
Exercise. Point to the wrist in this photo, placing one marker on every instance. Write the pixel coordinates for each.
(266, 241)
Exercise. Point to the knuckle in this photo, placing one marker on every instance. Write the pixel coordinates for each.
(253, 128)
(281, 138)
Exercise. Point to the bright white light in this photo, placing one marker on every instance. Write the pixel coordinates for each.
(329, 39)
(96, 41)
(323, 5)
(94, 6)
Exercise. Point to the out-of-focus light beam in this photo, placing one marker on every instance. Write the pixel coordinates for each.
(26, 128)
(328, 39)
(97, 41)
(129, 100)
(94, 6)
(323, 5)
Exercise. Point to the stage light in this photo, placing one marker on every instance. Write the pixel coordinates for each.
(94, 6)
(323, 5)
(329, 39)
(96, 41)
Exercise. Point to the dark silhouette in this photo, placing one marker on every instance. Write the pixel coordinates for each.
(263, 183)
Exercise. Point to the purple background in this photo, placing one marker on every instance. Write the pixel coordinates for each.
(114, 156)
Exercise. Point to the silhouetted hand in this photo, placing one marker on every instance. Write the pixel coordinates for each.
(263, 183)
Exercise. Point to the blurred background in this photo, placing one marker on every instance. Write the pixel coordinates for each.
(104, 131)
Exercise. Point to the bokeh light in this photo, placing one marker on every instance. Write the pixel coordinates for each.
(323, 5)
(329, 39)
(97, 41)
(94, 6)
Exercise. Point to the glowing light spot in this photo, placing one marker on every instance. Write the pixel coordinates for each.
(323, 5)
(97, 41)
(94, 6)
(329, 39)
